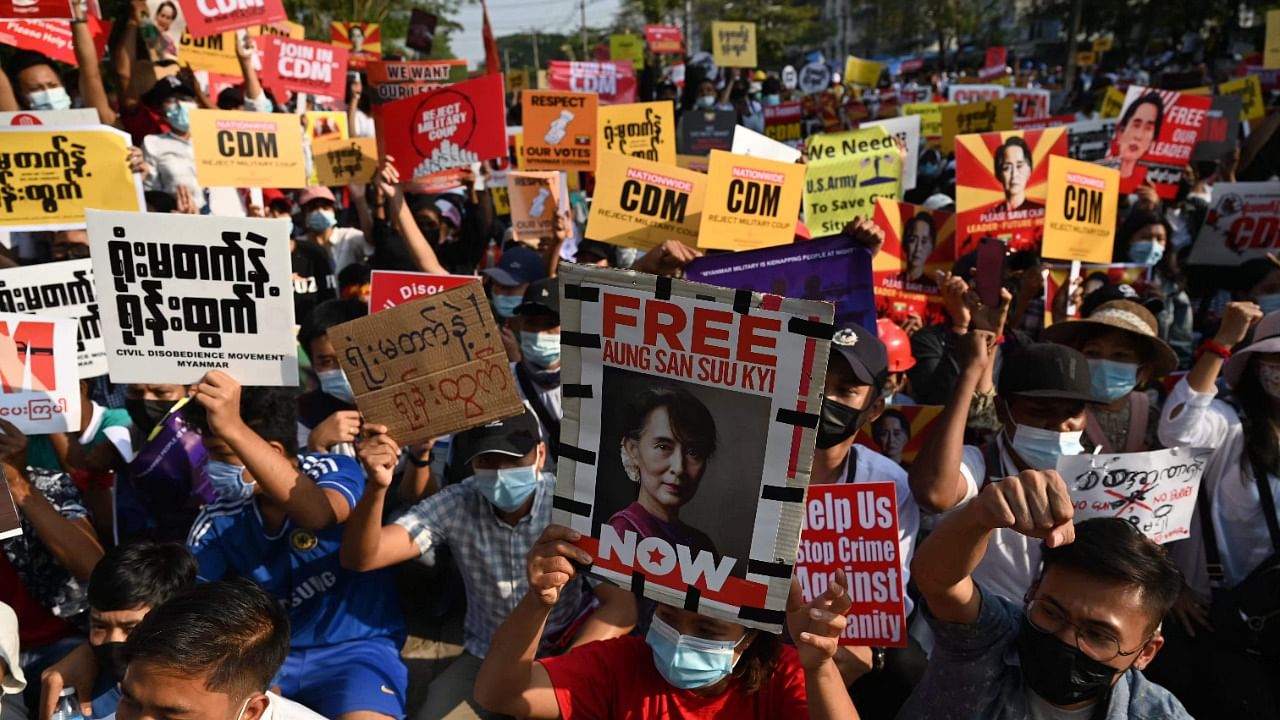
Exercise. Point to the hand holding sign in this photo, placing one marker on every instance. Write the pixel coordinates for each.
(818, 625)
(551, 560)
(219, 394)
(13, 445)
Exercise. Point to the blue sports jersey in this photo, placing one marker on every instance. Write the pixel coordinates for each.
(327, 603)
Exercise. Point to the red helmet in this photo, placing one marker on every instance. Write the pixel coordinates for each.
(897, 344)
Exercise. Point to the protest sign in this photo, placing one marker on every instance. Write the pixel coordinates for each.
(1002, 179)
(1086, 58)
(1154, 491)
(50, 118)
(1029, 103)
(422, 31)
(340, 162)
(1221, 128)
(1243, 223)
(1271, 43)
(640, 203)
(49, 176)
(53, 37)
(1111, 103)
(396, 80)
(559, 130)
(284, 28)
(215, 53)
(749, 142)
(733, 44)
(907, 130)
(447, 128)
(235, 148)
(1102, 44)
(1060, 284)
(537, 199)
(997, 56)
(965, 94)
(213, 17)
(1089, 140)
(1047, 122)
(35, 10)
(754, 374)
(161, 29)
(183, 294)
(930, 114)
(389, 288)
(614, 81)
(1157, 131)
(643, 130)
(517, 81)
(60, 289)
(870, 104)
(39, 384)
(900, 432)
(1080, 211)
(703, 131)
(1249, 90)
(664, 39)
(854, 527)
(844, 173)
(430, 366)
(918, 242)
(861, 72)
(814, 77)
(973, 119)
(362, 39)
(750, 202)
(324, 125)
(302, 66)
(10, 523)
(625, 46)
(782, 123)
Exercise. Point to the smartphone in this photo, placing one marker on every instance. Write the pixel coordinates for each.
(990, 271)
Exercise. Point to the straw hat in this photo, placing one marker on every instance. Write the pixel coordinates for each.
(1125, 315)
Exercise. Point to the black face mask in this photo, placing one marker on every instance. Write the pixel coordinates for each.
(1059, 672)
(146, 414)
(839, 423)
(110, 657)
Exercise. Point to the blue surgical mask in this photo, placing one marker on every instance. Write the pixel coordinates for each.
(1269, 302)
(505, 305)
(1112, 379)
(228, 481)
(51, 99)
(179, 117)
(334, 383)
(1146, 252)
(321, 220)
(1041, 448)
(772, 99)
(540, 349)
(507, 488)
(687, 661)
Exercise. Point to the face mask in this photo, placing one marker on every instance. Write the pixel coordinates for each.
(334, 383)
(321, 220)
(228, 480)
(687, 661)
(839, 423)
(507, 488)
(706, 102)
(1269, 302)
(505, 305)
(146, 414)
(1269, 376)
(51, 99)
(1042, 448)
(1112, 379)
(179, 117)
(772, 100)
(1059, 672)
(540, 349)
(110, 657)
(1146, 252)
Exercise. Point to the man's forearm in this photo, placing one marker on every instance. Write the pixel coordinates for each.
(302, 499)
(828, 697)
(935, 477)
(362, 533)
(944, 563)
(507, 670)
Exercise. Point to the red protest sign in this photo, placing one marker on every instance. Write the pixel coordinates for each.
(389, 288)
(392, 80)
(854, 527)
(52, 38)
(302, 66)
(1155, 137)
(35, 9)
(997, 56)
(614, 82)
(664, 39)
(213, 17)
(447, 128)
(917, 243)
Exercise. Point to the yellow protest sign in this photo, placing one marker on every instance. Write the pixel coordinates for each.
(1080, 210)
(861, 72)
(845, 173)
(1112, 103)
(1202, 90)
(1086, 58)
(930, 120)
(215, 53)
(48, 176)
(501, 200)
(973, 118)
(733, 43)
(559, 130)
(1249, 88)
(1102, 45)
(626, 46)
(640, 203)
(536, 199)
(643, 130)
(1271, 47)
(341, 162)
(247, 149)
(517, 80)
(750, 202)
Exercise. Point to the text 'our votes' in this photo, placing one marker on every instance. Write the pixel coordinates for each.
(704, 331)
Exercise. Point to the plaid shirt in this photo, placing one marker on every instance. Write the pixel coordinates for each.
(491, 556)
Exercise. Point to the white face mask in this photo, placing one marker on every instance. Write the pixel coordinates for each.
(51, 99)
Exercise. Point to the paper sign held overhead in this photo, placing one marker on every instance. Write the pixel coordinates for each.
(1080, 211)
(664, 39)
(861, 72)
(559, 130)
(52, 37)
(211, 17)
(447, 128)
(302, 66)
(39, 384)
(642, 130)
(1157, 132)
(1002, 179)
(749, 142)
(845, 173)
(537, 199)
(1243, 223)
(1271, 46)
(396, 80)
(342, 162)
(389, 288)
(907, 130)
(237, 149)
(614, 81)
(973, 118)
(422, 31)
(900, 431)
(733, 44)
(749, 203)
(640, 203)
(1153, 491)
(918, 242)
(60, 289)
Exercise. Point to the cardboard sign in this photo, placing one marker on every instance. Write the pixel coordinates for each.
(1029, 103)
(965, 94)
(1249, 90)
(907, 130)
(1086, 58)
(750, 203)
(845, 173)
(60, 289)
(49, 118)
(1089, 140)
(422, 31)
(49, 176)
(640, 203)
(215, 53)
(1153, 491)
(614, 81)
(703, 131)
(918, 242)
(559, 130)
(861, 72)
(749, 142)
(641, 130)
(664, 39)
(184, 294)
(213, 17)
(324, 125)
(1111, 103)
(39, 384)
(1221, 128)
(1157, 132)
(625, 46)
(447, 128)
(1080, 211)
(1060, 283)
(391, 81)
(234, 148)
(783, 123)
(1271, 44)
(52, 37)
(870, 104)
(430, 366)
(854, 527)
(537, 198)
(930, 114)
(1242, 223)
(900, 432)
(341, 162)
(389, 288)
(362, 39)
(996, 56)
(733, 44)
(753, 375)
(1001, 185)
(973, 119)
(302, 66)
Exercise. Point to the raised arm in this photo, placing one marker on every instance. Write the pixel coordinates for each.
(123, 52)
(8, 101)
(253, 92)
(402, 218)
(816, 629)
(91, 88)
(366, 543)
(1188, 418)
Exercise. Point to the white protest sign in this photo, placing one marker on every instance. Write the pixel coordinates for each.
(183, 294)
(60, 289)
(814, 77)
(789, 77)
(906, 129)
(52, 118)
(962, 94)
(39, 385)
(1243, 223)
(1154, 491)
(749, 142)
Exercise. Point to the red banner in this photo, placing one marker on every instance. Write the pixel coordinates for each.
(213, 17)
(918, 242)
(1157, 132)
(52, 37)
(35, 9)
(664, 39)
(447, 128)
(614, 82)
(302, 66)
(389, 288)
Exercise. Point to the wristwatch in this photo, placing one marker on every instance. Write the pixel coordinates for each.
(877, 659)
(419, 462)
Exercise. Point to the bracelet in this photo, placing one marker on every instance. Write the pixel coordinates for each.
(1217, 348)
(419, 462)
(79, 21)
(877, 659)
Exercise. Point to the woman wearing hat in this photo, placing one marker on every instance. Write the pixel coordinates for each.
(1125, 352)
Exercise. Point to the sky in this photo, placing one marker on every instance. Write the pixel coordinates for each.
(514, 16)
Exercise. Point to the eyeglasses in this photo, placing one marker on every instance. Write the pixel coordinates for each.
(1097, 644)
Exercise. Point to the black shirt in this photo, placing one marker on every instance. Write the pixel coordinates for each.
(313, 280)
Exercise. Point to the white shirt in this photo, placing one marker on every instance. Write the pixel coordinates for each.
(364, 126)
(172, 163)
(347, 246)
(1040, 709)
(1012, 559)
(871, 466)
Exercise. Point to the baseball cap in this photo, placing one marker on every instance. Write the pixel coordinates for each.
(542, 296)
(517, 266)
(165, 88)
(864, 352)
(270, 196)
(1046, 370)
(315, 192)
(592, 250)
(513, 437)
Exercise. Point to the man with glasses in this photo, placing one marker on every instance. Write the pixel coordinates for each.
(1086, 628)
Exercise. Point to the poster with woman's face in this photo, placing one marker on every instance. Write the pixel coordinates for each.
(162, 29)
(1156, 134)
(918, 243)
(899, 432)
(1001, 182)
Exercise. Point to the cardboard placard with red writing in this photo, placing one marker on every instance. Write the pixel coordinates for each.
(1243, 223)
(1155, 137)
(1001, 184)
(447, 128)
(389, 288)
(303, 66)
(664, 39)
(614, 81)
(212, 17)
(52, 38)
(900, 432)
(918, 242)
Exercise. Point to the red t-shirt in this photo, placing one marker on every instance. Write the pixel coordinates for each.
(36, 625)
(617, 679)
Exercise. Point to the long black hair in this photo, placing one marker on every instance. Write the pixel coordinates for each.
(1261, 447)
